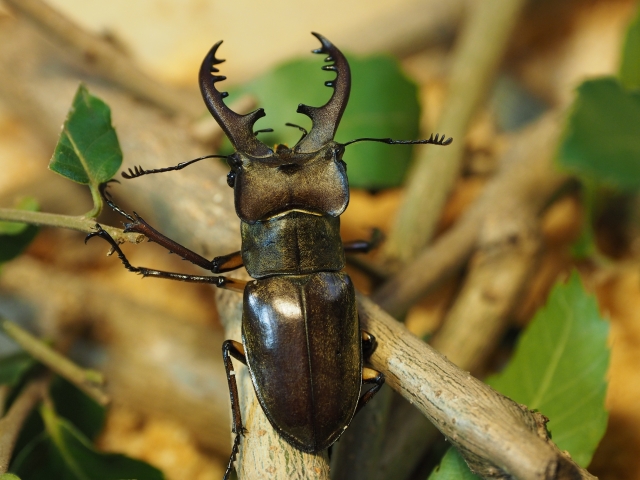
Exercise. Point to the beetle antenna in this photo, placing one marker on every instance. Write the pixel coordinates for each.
(138, 171)
(264, 130)
(430, 141)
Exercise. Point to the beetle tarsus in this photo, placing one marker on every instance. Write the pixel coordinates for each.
(232, 458)
(102, 233)
(106, 196)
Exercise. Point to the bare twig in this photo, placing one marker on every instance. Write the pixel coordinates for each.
(80, 224)
(103, 58)
(11, 423)
(86, 380)
(479, 51)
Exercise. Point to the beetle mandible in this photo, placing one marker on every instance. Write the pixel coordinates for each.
(300, 328)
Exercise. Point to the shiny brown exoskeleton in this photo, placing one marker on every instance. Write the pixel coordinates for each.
(301, 337)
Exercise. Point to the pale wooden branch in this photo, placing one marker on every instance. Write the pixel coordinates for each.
(526, 178)
(103, 58)
(480, 48)
(11, 424)
(497, 437)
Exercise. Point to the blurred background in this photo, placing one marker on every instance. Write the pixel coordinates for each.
(158, 342)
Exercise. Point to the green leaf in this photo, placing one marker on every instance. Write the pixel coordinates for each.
(82, 411)
(559, 369)
(9, 476)
(383, 103)
(14, 367)
(602, 138)
(452, 467)
(63, 453)
(88, 151)
(630, 64)
(16, 237)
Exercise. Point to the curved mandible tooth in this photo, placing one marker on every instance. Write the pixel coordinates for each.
(238, 128)
(325, 119)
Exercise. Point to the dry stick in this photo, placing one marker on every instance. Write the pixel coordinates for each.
(85, 379)
(497, 437)
(11, 423)
(80, 224)
(430, 180)
(103, 58)
(507, 241)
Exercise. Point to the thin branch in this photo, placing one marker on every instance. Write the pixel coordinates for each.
(497, 437)
(431, 179)
(12, 422)
(85, 379)
(105, 59)
(80, 224)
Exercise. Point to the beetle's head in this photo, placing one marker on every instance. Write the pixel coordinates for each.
(313, 167)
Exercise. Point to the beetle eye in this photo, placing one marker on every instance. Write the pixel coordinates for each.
(231, 179)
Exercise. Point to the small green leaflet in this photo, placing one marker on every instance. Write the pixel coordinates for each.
(15, 237)
(63, 453)
(602, 139)
(452, 467)
(630, 64)
(559, 369)
(88, 151)
(383, 103)
(9, 476)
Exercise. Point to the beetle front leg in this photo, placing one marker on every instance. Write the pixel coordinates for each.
(231, 348)
(218, 281)
(138, 224)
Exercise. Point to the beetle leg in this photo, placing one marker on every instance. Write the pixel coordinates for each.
(369, 375)
(139, 225)
(369, 344)
(231, 348)
(218, 281)
(364, 246)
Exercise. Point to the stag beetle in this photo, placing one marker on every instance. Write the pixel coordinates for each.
(300, 328)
